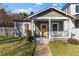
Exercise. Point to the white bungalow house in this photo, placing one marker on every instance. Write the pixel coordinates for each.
(49, 22)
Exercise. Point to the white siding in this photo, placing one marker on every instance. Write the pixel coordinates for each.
(66, 25)
(72, 9)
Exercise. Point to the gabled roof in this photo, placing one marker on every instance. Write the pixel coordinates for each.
(54, 9)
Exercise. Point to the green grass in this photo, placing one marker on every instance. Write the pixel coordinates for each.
(60, 48)
(16, 47)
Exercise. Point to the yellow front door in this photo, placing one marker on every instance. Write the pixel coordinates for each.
(44, 30)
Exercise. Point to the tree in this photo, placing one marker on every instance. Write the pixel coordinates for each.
(19, 16)
(23, 15)
(6, 19)
(3, 20)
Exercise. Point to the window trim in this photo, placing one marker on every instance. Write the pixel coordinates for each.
(57, 25)
(76, 7)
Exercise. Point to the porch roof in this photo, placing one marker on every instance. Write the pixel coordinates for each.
(50, 7)
(21, 20)
(77, 16)
(52, 18)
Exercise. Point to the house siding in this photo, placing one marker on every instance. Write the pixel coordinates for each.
(20, 28)
(52, 14)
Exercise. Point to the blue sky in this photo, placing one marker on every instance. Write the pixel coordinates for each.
(27, 7)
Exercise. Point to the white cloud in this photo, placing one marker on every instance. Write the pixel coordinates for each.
(54, 4)
(39, 3)
(22, 10)
(19, 11)
(57, 5)
(60, 4)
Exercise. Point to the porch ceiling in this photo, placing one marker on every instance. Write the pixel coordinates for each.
(52, 18)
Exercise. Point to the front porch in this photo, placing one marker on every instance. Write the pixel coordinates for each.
(54, 27)
(51, 23)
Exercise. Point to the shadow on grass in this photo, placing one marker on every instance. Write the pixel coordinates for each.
(10, 40)
(23, 50)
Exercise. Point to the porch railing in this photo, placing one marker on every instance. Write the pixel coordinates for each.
(55, 34)
(59, 33)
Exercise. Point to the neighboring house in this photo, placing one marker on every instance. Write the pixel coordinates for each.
(73, 9)
(21, 26)
(49, 22)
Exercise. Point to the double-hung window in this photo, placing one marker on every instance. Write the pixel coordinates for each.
(77, 8)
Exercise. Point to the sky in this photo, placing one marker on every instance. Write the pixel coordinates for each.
(28, 7)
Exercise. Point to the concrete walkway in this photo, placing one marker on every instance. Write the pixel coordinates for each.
(42, 49)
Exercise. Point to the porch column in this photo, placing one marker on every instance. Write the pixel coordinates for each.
(49, 28)
(70, 27)
(32, 27)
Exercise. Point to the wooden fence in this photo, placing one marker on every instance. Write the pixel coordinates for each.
(7, 31)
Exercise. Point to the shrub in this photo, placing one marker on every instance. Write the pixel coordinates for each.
(73, 41)
(29, 35)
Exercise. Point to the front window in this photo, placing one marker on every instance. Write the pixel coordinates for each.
(55, 26)
(77, 8)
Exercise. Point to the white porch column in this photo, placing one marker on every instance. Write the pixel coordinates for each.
(49, 28)
(32, 27)
(70, 27)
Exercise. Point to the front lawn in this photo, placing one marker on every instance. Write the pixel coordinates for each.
(12, 46)
(61, 48)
